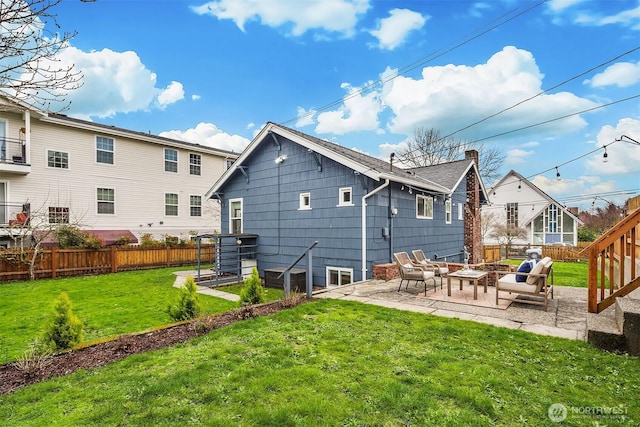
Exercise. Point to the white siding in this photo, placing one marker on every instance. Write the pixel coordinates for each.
(137, 176)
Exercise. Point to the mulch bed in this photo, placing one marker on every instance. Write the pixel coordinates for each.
(13, 376)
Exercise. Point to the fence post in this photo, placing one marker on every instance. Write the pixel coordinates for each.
(54, 261)
(114, 259)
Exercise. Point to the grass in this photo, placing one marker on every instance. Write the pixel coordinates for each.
(565, 273)
(342, 363)
(109, 305)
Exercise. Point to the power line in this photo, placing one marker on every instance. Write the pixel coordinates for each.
(421, 61)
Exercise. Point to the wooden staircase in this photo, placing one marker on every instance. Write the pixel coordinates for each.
(614, 273)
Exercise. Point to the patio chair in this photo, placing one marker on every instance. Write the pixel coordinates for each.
(410, 271)
(440, 268)
(539, 283)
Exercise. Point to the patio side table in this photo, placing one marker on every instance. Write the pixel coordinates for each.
(473, 276)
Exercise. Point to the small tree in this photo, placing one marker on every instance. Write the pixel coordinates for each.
(506, 235)
(252, 292)
(65, 330)
(188, 307)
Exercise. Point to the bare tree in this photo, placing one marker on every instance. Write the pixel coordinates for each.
(428, 147)
(506, 235)
(488, 221)
(30, 68)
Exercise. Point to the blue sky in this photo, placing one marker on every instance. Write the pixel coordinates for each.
(366, 73)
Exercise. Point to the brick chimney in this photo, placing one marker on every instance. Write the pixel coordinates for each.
(472, 219)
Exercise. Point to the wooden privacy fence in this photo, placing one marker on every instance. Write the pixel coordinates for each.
(55, 262)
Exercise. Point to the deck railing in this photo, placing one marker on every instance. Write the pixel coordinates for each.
(614, 258)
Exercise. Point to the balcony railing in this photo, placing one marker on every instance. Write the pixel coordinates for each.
(12, 151)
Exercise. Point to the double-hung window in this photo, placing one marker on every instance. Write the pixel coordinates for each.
(235, 216)
(447, 211)
(106, 198)
(104, 150)
(195, 205)
(195, 164)
(424, 207)
(170, 160)
(57, 159)
(171, 204)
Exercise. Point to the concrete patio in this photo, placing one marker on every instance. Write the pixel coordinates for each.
(566, 316)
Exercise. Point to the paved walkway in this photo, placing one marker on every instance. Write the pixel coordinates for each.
(566, 316)
(181, 276)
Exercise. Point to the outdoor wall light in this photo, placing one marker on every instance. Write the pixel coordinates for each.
(394, 211)
(281, 159)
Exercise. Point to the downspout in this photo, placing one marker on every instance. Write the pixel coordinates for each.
(364, 225)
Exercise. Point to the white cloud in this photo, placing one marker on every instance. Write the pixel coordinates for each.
(584, 185)
(516, 155)
(359, 112)
(251, 125)
(627, 18)
(333, 16)
(622, 74)
(195, 97)
(559, 5)
(114, 82)
(477, 9)
(172, 93)
(210, 135)
(448, 96)
(305, 118)
(393, 31)
(623, 157)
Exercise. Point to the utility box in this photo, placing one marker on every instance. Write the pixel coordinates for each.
(247, 267)
(298, 279)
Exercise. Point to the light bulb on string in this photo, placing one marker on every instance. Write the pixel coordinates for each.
(605, 156)
(557, 174)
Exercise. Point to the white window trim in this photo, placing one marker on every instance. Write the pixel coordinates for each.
(46, 156)
(177, 205)
(164, 160)
(193, 206)
(448, 211)
(114, 201)
(339, 270)
(341, 193)
(231, 217)
(421, 197)
(304, 207)
(95, 159)
(193, 164)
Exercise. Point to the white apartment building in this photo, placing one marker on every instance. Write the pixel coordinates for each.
(103, 178)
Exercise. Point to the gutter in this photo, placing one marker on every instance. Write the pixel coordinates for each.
(364, 225)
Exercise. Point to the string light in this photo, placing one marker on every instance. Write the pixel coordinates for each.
(557, 174)
(520, 185)
(605, 156)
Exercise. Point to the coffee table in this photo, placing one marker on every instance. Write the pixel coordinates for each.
(473, 276)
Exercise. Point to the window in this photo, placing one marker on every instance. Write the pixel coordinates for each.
(171, 204)
(57, 159)
(460, 211)
(235, 216)
(195, 205)
(552, 219)
(58, 215)
(424, 207)
(345, 197)
(512, 215)
(106, 201)
(195, 164)
(104, 150)
(170, 160)
(447, 211)
(337, 276)
(305, 201)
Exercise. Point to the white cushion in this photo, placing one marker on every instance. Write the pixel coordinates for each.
(428, 275)
(537, 269)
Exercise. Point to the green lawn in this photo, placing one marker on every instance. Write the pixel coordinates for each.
(342, 363)
(565, 273)
(109, 305)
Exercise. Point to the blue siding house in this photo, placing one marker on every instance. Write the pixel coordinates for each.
(291, 189)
